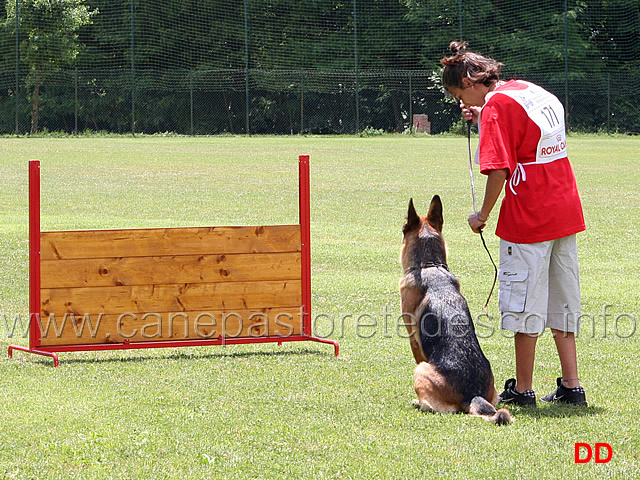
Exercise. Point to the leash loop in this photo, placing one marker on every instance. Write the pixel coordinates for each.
(473, 183)
(495, 273)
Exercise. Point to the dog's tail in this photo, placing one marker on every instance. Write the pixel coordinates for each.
(480, 407)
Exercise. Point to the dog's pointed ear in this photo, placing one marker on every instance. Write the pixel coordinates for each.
(434, 217)
(413, 220)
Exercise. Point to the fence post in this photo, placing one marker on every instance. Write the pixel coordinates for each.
(246, 67)
(410, 104)
(17, 67)
(355, 58)
(133, 71)
(301, 102)
(460, 19)
(609, 103)
(75, 113)
(191, 100)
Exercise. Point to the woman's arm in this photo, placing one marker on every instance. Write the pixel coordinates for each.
(495, 183)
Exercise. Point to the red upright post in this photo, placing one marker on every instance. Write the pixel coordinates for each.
(34, 253)
(305, 234)
(34, 267)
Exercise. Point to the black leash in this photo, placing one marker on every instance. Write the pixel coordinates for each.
(495, 273)
(484, 244)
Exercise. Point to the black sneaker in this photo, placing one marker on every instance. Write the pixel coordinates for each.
(513, 397)
(562, 394)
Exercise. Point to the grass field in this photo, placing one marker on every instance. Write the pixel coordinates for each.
(296, 411)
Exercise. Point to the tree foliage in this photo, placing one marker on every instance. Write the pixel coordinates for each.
(49, 39)
(303, 56)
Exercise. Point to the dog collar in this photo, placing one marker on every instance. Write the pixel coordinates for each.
(429, 265)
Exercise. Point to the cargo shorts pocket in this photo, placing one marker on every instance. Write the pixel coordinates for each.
(512, 294)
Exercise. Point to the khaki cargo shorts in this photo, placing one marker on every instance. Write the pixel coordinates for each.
(540, 286)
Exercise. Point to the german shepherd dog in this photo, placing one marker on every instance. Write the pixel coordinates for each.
(452, 375)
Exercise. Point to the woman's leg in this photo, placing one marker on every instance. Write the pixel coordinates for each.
(566, 345)
(525, 344)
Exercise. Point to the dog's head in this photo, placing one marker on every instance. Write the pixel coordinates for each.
(422, 242)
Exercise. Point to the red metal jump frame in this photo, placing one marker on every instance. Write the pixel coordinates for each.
(35, 300)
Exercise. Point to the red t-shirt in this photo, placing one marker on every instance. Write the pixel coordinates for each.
(522, 130)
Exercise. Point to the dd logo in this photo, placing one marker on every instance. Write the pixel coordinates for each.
(584, 452)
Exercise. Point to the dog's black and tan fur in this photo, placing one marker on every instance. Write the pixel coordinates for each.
(452, 375)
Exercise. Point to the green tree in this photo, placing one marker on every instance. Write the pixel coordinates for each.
(49, 41)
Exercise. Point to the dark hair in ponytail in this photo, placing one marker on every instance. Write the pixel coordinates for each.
(462, 64)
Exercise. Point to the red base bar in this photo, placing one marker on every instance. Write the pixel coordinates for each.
(56, 362)
(50, 351)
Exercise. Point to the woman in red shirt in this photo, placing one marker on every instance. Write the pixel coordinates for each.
(522, 150)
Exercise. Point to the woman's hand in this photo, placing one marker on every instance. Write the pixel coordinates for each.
(470, 113)
(476, 223)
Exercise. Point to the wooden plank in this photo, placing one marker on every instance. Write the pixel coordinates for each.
(169, 241)
(170, 269)
(177, 326)
(171, 298)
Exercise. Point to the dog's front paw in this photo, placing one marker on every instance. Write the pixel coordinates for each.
(422, 406)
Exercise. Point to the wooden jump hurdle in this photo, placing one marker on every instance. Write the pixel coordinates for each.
(168, 287)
